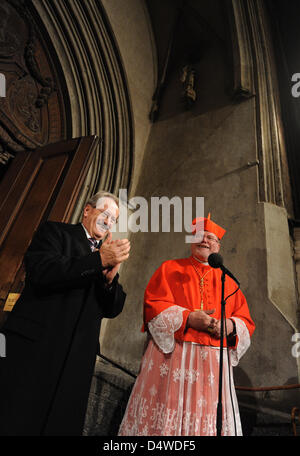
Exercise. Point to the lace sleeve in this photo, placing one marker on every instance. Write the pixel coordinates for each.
(164, 325)
(243, 341)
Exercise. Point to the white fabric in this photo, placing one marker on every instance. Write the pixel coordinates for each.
(176, 392)
(243, 341)
(177, 395)
(164, 325)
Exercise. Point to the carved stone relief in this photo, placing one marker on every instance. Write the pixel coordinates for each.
(27, 119)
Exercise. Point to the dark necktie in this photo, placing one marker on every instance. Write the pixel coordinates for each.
(94, 244)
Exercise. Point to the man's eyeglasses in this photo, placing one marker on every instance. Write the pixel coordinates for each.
(200, 236)
(106, 214)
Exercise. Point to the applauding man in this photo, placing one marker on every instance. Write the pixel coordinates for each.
(52, 333)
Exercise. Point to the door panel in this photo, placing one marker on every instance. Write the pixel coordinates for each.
(45, 185)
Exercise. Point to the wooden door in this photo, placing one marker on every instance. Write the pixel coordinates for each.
(41, 185)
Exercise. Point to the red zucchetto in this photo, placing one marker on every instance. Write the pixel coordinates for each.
(206, 224)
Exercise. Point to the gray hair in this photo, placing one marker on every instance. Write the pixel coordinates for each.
(92, 201)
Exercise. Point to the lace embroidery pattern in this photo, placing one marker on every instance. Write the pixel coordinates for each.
(164, 325)
(179, 395)
(243, 341)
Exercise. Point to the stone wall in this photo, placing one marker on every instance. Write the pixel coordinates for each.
(132, 29)
(211, 151)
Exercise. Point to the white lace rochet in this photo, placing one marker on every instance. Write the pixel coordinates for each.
(164, 325)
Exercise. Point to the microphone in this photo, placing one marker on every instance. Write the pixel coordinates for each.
(215, 260)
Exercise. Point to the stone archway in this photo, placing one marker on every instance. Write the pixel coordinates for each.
(75, 69)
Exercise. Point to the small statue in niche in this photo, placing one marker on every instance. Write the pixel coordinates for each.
(188, 81)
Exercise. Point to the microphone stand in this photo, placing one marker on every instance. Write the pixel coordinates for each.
(219, 407)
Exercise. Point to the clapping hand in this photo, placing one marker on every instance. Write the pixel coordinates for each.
(113, 253)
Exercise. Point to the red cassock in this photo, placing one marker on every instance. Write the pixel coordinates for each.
(176, 391)
(177, 282)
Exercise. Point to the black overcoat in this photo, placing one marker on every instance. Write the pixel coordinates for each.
(52, 334)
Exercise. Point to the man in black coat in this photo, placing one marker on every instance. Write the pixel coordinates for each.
(52, 333)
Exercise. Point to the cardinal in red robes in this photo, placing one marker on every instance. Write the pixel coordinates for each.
(177, 390)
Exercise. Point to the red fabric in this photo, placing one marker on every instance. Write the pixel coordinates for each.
(206, 224)
(176, 282)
